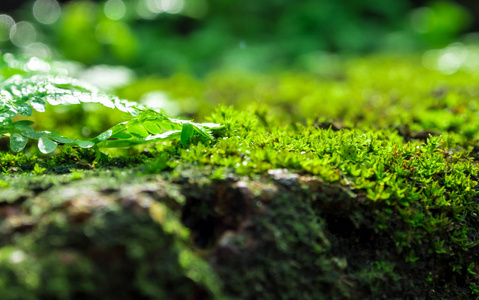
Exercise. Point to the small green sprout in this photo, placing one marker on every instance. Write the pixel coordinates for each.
(474, 288)
(470, 268)
(24, 94)
(37, 170)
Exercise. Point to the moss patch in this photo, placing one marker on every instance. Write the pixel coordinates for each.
(358, 186)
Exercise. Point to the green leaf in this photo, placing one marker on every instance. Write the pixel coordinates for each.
(121, 105)
(121, 135)
(8, 114)
(24, 109)
(17, 142)
(137, 130)
(152, 127)
(210, 125)
(104, 135)
(63, 140)
(27, 92)
(23, 123)
(32, 134)
(46, 145)
(132, 142)
(70, 87)
(203, 132)
(187, 133)
(120, 143)
(163, 136)
(170, 126)
(38, 104)
(107, 101)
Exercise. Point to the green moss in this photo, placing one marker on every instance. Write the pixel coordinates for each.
(359, 186)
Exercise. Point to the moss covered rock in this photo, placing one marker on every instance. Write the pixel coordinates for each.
(361, 186)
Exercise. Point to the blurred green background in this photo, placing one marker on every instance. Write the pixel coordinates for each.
(196, 36)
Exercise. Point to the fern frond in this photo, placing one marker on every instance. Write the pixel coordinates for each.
(29, 92)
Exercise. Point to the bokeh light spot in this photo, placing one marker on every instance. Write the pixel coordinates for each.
(46, 11)
(169, 6)
(471, 64)
(448, 60)
(429, 59)
(17, 256)
(158, 99)
(154, 6)
(6, 23)
(22, 34)
(172, 6)
(421, 19)
(449, 63)
(108, 77)
(115, 9)
(37, 49)
(144, 11)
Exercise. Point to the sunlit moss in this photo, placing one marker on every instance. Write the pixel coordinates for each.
(359, 185)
